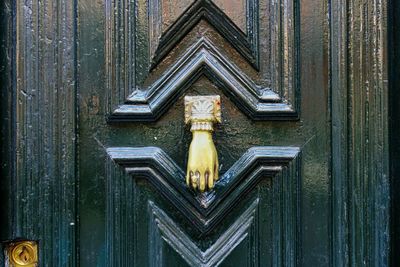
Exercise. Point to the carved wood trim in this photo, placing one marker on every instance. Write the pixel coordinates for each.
(164, 229)
(245, 44)
(360, 163)
(203, 59)
(128, 56)
(206, 209)
(204, 212)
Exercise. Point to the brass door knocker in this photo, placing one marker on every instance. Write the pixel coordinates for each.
(202, 169)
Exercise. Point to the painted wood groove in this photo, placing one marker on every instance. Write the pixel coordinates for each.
(246, 45)
(122, 220)
(360, 133)
(339, 132)
(42, 178)
(202, 59)
(126, 194)
(394, 128)
(204, 210)
(7, 109)
(368, 152)
(130, 32)
(164, 229)
(44, 183)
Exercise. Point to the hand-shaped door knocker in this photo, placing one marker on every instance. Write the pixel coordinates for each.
(202, 169)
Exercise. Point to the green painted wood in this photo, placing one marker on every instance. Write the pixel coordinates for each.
(360, 163)
(125, 197)
(130, 56)
(276, 168)
(340, 137)
(40, 126)
(394, 113)
(6, 107)
(67, 66)
(368, 124)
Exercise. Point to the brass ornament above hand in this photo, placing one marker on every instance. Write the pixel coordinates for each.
(202, 169)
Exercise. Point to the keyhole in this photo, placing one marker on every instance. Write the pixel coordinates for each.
(24, 256)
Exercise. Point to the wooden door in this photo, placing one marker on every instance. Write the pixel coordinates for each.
(100, 145)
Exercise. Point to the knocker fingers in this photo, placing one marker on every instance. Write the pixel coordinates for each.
(202, 180)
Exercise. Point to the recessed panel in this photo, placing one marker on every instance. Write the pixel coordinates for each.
(254, 207)
(171, 10)
(254, 41)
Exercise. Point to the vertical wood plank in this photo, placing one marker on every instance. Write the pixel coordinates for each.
(368, 131)
(394, 115)
(360, 133)
(339, 102)
(43, 188)
(7, 137)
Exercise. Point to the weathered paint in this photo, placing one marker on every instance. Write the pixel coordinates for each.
(394, 115)
(71, 63)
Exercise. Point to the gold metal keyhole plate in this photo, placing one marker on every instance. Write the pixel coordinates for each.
(23, 253)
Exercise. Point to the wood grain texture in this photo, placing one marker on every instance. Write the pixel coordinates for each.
(135, 45)
(246, 44)
(7, 106)
(368, 147)
(38, 133)
(173, 9)
(164, 229)
(43, 181)
(203, 212)
(360, 133)
(202, 59)
(394, 128)
(340, 157)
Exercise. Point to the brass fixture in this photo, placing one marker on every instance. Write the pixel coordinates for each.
(202, 112)
(23, 253)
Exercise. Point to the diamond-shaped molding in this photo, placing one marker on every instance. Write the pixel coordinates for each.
(202, 59)
(150, 208)
(135, 44)
(205, 210)
(163, 229)
(163, 42)
(169, 11)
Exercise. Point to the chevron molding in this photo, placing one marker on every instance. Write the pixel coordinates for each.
(203, 59)
(246, 44)
(139, 176)
(205, 210)
(164, 229)
(135, 45)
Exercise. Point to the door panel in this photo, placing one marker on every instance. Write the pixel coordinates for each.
(272, 200)
(95, 145)
(260, 75)
(265, 179)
